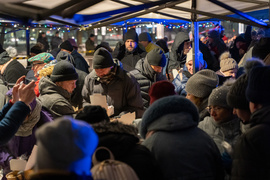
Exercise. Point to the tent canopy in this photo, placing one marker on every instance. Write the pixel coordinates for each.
(98, 13)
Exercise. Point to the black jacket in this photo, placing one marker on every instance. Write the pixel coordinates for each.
(252, 157)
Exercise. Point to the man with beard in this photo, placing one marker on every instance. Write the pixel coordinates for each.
(121, 89)
(129, 53)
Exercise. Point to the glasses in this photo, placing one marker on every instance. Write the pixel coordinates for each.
(216, 109)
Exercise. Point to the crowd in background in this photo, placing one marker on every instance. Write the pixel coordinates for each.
(209, 123)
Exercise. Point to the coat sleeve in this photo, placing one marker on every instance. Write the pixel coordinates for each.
(61, 108)
(86, 91)
(134, 97)
(11, 119)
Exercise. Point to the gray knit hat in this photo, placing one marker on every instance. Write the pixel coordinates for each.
(156, 57)
(145, 36)
(63, 142)
(102, 59)
(226, 62)
(218, 96)
(202, 83)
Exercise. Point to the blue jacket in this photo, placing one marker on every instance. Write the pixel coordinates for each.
(11, 118)
(80, 62)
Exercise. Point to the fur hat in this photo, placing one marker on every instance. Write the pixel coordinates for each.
(145, 36)
(67, 46)
(202, 83)
(161, 89)
(168, 105)
(261, 49)
(93, 114)
(102, 59)
(131, 34)
(226, 62)
(43, 57)
(218, 96)
(63, 71)
(156, 57)
(258, 87)
(63, 142)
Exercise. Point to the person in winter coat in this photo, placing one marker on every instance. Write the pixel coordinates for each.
(122, 140)
(163, 44)
(56, 40)
(199, 87)
(65, 150)
(129, 53)
(90, 45)
(216, 44)
(146, 41)
(179, 50)
(121, 89)
(79, 62)
(149, 71)
(222, 124)
(43, 40)
(16, 110)
(11, 69)
(251, 157)
(55, 91)
(182, 77)
(182, 150)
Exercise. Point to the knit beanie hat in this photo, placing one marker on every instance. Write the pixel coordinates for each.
(213, 34)
(93, 114)
(202, 83)
(226, 62)
(43, 57)
(160, 89)
(236, 97)
(36, 49)
(145, 36)
(261, 49)
(131, 34)
(63, 71)
(168, 105)
(63, 142)
(67, 46)
(102, 59)
(12, 52)
(4, 57)
(156, 57)
(258, 85)
(218, 96)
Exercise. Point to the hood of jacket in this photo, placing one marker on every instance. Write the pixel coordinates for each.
(46, 86)
(180, 38)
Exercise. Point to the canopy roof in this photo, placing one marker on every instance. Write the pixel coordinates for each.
(99, 13)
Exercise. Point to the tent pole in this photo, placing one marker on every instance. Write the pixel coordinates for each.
(195, 41)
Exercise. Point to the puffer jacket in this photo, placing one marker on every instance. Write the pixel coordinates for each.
(54, 98)
(146, 76)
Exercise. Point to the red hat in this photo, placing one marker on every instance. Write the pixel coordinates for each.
(160, 89)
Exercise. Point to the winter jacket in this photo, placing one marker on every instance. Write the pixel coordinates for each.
(55, 42)
(54, 98)
(11, 118)
(14, 71)
(122, 140)
(128, 59)
(177, 56)
(177, 142)
(80, 62)
(228, 131)
(89, 45)
(180, 84)
(123, 92)
(145, 76)
(251, 157)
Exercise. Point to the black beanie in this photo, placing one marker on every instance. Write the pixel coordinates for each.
(145, 36)
(236, 97)
(67, 46)
(131, 34)
(261, 49)
(258, 85)
(63, 71)
(156, 58)
(93, 114)
(102, 59)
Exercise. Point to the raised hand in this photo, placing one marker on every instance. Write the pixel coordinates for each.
(15, 92)
(26, 92)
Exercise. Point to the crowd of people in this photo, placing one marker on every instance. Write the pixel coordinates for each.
(211, 122)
